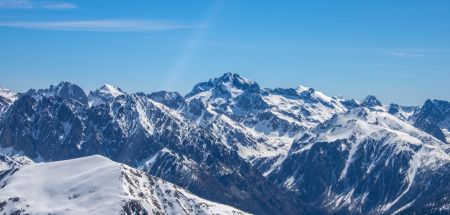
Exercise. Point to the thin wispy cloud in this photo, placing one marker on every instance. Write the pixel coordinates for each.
(29, 4)
(411, 52)
(113, 25)
(403, 54)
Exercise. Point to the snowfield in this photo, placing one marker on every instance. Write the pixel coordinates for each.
(96, 185)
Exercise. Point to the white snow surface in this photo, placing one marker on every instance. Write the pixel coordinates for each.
(447, 134)
(319, 111)
(104, 94)
(97, 185)
(14, 161)
(273, 146)
(301, 88)
(8, 94)
(112, 90)
(405, 114)
(270, 140)
(361, 124)
(7, 97)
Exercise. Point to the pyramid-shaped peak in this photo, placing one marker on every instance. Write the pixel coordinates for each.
(371, 101)
(8, 94)
(229, 82)
(233, 77)
(301, 88)
(111, 89)
(104, 94)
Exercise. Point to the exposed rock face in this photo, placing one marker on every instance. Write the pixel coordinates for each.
(171, 99)
(7, 97)
(260, 124)
(368, 162)
(264, 151)
(65, 90)
(371, 101)
(146, 134)
(434, 118)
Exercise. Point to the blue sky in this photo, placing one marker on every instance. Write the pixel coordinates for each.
(397, 50)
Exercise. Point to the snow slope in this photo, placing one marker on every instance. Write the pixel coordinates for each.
(8, 94)
(368, 162)
(7, 97)
(229, 139)
(104, 95)
(259, 123)
(133, 129)
(14, 161)
(96, 185)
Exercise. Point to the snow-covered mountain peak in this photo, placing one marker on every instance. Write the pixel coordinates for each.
(345, 161)
(63, 84)
(69, 90)
(64, 90)
(104, 94)
(110, 89)
(7, 97)
(339, 155)
(371, 101)
(233, 77)
(7, 94)
(96, 185)
(228, 85)
(230, 94)
(307, 95)
(313, 104)
(438, 108)
(301, 88)
(363, 122)
(434, 118)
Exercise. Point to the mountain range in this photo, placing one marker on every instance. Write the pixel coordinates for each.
(227, 142)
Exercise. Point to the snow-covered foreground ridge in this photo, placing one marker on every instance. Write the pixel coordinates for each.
(95, 185)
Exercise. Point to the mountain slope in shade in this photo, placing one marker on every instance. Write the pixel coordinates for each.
(141, 132)
(403, 112)
(7, 97)
(7, 94)
(96, 185)
(434, 118)
(64, 90)
(368, 162)
(371, 101)
(265, 151)
(260, 124)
